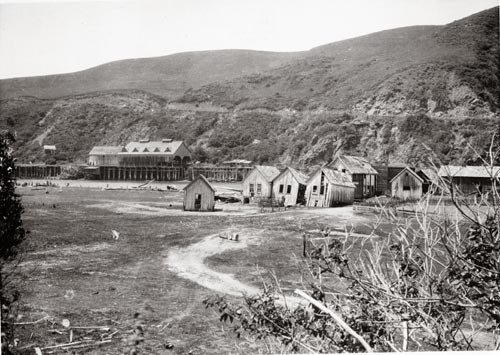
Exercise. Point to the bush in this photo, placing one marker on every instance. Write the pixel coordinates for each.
(11, 236)
(432, 284)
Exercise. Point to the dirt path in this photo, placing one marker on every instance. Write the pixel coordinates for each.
(189, 263)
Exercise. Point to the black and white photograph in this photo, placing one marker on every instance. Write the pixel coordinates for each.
(198, 177)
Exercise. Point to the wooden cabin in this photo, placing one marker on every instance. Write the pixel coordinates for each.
(407, 185)
(289, 187)
(199, 195)
(258, 184)
(327, 188)
(470, 180)
(363, 175)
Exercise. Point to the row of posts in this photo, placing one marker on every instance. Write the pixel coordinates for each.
(37, 171)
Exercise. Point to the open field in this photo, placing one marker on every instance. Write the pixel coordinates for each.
(165, 262)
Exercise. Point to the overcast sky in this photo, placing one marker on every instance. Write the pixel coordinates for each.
(48, 37)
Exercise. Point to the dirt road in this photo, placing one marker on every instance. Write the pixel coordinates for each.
(189, 263)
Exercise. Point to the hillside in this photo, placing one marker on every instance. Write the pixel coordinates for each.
(387, 96)
(439, 70)
(167, 76)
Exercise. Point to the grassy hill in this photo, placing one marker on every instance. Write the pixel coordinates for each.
(387, 96)
(167, 76)
(439, 70)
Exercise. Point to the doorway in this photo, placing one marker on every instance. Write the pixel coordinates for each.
(197, 202)
(301, 195)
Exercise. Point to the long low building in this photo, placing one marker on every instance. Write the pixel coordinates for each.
(165, 160)
(471, 179)
(166, 152)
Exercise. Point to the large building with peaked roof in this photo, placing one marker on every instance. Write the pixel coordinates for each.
(144, 153)
(363, 175)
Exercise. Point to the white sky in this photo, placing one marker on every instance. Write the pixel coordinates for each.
(47, 37)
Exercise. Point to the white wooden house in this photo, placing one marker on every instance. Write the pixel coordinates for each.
(289, 187)
(407, 185)
(258, 184)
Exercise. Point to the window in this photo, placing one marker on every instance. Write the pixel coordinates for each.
(281, 188)
(259, 189)
(315, 188)
(251, 189)
(406, 182)
(289, 189)
(322, 190)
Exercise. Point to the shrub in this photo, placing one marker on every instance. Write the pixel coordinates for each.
(11, 236)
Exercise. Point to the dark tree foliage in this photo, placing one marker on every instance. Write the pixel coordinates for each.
(11, 230)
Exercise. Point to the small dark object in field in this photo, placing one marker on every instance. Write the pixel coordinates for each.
(170, 205)
(168, 345)
(54, 205)
(46, 191)
(111, 288)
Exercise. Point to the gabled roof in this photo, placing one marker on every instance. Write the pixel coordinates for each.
(202, 178)
(355, 165)
(432, 174)
(469, 171)
(407, 170)
(334, 177)
(157, 147)
(268, 172)
(297, 175)
(338, 178)
(105, 150)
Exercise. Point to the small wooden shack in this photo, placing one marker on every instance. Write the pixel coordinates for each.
(258, 183)
(199, 195)
(327, 188)
(407, 185)
(289, 187)
(363, 175)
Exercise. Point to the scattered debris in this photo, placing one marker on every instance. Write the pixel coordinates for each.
(116, 235)
(229, 236)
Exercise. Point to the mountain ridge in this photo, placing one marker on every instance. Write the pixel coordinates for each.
(371, 95)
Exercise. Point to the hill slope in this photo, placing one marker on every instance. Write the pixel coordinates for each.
(381, 96)
(441, 70)
(167, 76)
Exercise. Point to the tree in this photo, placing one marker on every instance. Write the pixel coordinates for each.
(11, 232)
(433, 283)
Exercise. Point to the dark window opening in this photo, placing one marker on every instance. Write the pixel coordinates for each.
(406, 182)
(281, 188)
(289, 189)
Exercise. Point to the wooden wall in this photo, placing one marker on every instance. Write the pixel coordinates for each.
(104, 160)
(286, 179)
(334, 195)
(207, 196)
(255, 177)
(406, 187)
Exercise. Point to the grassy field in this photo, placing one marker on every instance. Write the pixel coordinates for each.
(73, 268)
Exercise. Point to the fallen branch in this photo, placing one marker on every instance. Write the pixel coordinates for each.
(30, 323)
(337, 319)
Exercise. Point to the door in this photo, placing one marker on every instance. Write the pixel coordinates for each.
(197, 202)
(301, 195)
